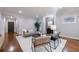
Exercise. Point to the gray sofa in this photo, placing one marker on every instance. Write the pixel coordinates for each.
(34, 34)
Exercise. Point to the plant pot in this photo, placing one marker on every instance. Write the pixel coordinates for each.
(37, 29)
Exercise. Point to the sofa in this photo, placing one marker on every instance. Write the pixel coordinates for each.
(31, 33)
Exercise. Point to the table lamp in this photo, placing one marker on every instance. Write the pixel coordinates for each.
(53, 27)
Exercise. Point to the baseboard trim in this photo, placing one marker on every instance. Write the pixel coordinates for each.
(68, 37)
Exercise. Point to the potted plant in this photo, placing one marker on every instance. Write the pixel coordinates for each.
(37, 25)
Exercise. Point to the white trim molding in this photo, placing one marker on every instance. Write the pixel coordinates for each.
(70, 37)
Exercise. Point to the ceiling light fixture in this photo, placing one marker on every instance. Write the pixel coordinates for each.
(20, 11)
(11, 16)
(37, 16)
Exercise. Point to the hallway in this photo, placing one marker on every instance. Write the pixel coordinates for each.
(10, 43)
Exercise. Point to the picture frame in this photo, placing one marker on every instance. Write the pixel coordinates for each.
(69, 19)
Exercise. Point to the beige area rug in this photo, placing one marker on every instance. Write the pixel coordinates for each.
(46, 48)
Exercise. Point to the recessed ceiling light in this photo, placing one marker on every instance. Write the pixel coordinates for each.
(20, 11)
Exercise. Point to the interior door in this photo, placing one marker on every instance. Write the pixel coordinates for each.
(10, 26)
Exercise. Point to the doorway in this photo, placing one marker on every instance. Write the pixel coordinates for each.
(11, 27)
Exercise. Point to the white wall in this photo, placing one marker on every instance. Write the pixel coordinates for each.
(28, 23)
(44, 25)
(70, 29)
(24, 23)
(20, 23)
(1, 24)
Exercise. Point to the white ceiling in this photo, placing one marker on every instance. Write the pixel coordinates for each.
(69, 10)
(28, 11)
(36, 11)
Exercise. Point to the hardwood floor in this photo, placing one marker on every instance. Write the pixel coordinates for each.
(72, 45)
(10, 44)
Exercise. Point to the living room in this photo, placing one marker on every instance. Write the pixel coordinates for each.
(32, 21)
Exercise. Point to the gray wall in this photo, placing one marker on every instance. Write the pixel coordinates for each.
(69, 29)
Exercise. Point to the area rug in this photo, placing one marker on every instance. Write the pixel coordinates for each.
(46, 48)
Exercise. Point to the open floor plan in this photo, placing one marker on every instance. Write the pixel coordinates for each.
(39, 29)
